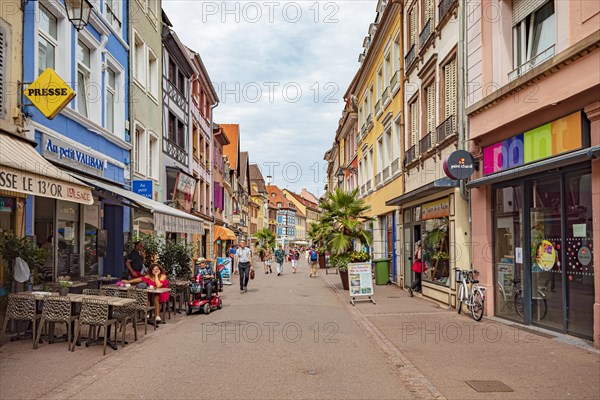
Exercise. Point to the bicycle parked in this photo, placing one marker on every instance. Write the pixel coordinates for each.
(539, 301)
(474, 298)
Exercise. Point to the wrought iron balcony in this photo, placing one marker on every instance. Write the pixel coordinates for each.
(385, 97)
(378, 108)
(369, 185)
(395, 81)
(369, 122)
(378, 178)
(410, 57)
(426, 34)
(444, 7)
(446, 129)
(395, 165)
(386, 173)
(531, 63)
(410, 155)
(426, 143)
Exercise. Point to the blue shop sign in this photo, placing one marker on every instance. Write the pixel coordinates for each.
(143, 188)
(64, 153)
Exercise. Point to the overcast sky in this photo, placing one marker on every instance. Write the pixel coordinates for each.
(281, 69)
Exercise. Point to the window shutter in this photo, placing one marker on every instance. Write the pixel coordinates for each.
(414, 123)
(450, 89)
(522, 8)
(431, 108)
(429, 12)
(3, 57)
(413, 27)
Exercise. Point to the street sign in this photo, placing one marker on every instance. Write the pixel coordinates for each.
(49, 93)
(360, 281)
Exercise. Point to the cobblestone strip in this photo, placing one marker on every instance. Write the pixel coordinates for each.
(412, 378)
(79, 382)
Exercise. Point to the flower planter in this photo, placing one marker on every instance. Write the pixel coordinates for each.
(63, 291)
(344, 278)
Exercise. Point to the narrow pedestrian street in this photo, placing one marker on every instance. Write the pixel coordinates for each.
(293, 337)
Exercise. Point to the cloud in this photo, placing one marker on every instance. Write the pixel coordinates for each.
(281, 70)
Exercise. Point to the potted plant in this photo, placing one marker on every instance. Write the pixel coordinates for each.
(341, 225)
(12, 246)
(63, 287)
(176, 257)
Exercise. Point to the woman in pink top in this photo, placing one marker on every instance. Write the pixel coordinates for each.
(156, 277)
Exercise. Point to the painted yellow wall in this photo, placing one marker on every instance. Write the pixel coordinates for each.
(393, 188)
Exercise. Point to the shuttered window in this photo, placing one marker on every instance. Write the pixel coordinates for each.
(431, 108)
(414, 122)
(429, 11)
(450, 89)
(3, 51)
(522, 8)
(413, 27)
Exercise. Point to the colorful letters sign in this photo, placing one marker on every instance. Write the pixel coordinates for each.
(545, 141)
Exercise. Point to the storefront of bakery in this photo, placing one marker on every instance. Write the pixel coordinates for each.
(436, 216)
(536, 202)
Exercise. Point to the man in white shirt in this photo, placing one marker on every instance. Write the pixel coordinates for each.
(243, 257)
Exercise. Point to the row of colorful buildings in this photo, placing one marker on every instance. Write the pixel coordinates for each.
(137, 150)
(517, 85)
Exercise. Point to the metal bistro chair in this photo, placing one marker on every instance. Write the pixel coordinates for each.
(126, 314)
(95, 314)
(141, 305)
(94, 292)
(56, 309)
(111, 292)
(21, 307)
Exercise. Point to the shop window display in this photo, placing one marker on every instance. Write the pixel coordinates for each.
(436, 251)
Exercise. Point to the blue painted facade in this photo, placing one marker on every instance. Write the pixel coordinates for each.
(108, 51)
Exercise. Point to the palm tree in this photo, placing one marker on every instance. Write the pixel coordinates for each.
(266, 239)
(344, 218)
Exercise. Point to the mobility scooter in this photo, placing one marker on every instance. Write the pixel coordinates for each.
(199, 300)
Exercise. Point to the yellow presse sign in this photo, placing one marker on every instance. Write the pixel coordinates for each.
(49, 93)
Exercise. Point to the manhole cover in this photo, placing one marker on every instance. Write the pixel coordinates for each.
(489, 386)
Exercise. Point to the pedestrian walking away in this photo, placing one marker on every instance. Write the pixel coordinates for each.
(294, 256)
(268, 259)
(418, 268)
(243, 256)
(279, 259)
(313, 256)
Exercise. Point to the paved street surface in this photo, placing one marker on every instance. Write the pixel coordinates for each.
(292, 337)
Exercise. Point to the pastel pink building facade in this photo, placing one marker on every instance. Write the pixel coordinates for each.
(533, 106)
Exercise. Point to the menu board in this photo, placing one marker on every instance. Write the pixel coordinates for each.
(360, 279)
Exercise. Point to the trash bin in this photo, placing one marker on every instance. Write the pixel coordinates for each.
(382, 270)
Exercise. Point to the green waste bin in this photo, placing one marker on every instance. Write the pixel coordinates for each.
(382, 271)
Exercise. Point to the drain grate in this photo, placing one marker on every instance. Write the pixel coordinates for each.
(489, 386)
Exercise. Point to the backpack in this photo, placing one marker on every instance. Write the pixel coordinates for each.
(313, 255)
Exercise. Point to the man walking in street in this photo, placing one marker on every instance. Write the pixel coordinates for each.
(279, 259)
(313, 257)
(244, 265)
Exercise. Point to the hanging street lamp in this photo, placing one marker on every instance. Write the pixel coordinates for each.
(78, 12)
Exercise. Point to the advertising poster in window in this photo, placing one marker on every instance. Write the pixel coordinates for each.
(360, 279)
(224, 266)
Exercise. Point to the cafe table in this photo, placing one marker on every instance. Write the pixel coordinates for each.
(78, 298)
(153, 292)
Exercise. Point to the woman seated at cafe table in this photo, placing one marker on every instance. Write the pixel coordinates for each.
(155, 277)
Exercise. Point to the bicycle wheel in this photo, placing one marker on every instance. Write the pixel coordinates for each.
(461, 291)
(477, 304)
(519, 307)
(543, 307)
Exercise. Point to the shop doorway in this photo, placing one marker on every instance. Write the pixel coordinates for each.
(544, 252)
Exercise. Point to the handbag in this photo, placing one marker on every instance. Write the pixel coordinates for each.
(251, 274)
(418, 266)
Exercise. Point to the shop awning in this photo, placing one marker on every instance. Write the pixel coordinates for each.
(564, 160)
(429, 189)
(166, 218)
(24, 170)
(222, 233)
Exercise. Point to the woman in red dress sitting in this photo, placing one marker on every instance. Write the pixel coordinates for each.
(155, 277)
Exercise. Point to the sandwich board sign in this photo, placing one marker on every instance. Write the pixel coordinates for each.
(225, 262)
(49, 93)
(360, 282)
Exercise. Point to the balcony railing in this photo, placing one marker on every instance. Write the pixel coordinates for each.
(378, 178)
(385, 97)
(395, 165)
(369, 122)
(425, 34)
(378, 109)
(426, 143)
(410, 155)
(531, 63)
(395, 81)
(409, 58)
(445, 129)
(362, 189)
(368, 185)
(386, 173)
(443, 7)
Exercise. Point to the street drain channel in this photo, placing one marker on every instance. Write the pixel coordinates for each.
(489, 386)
